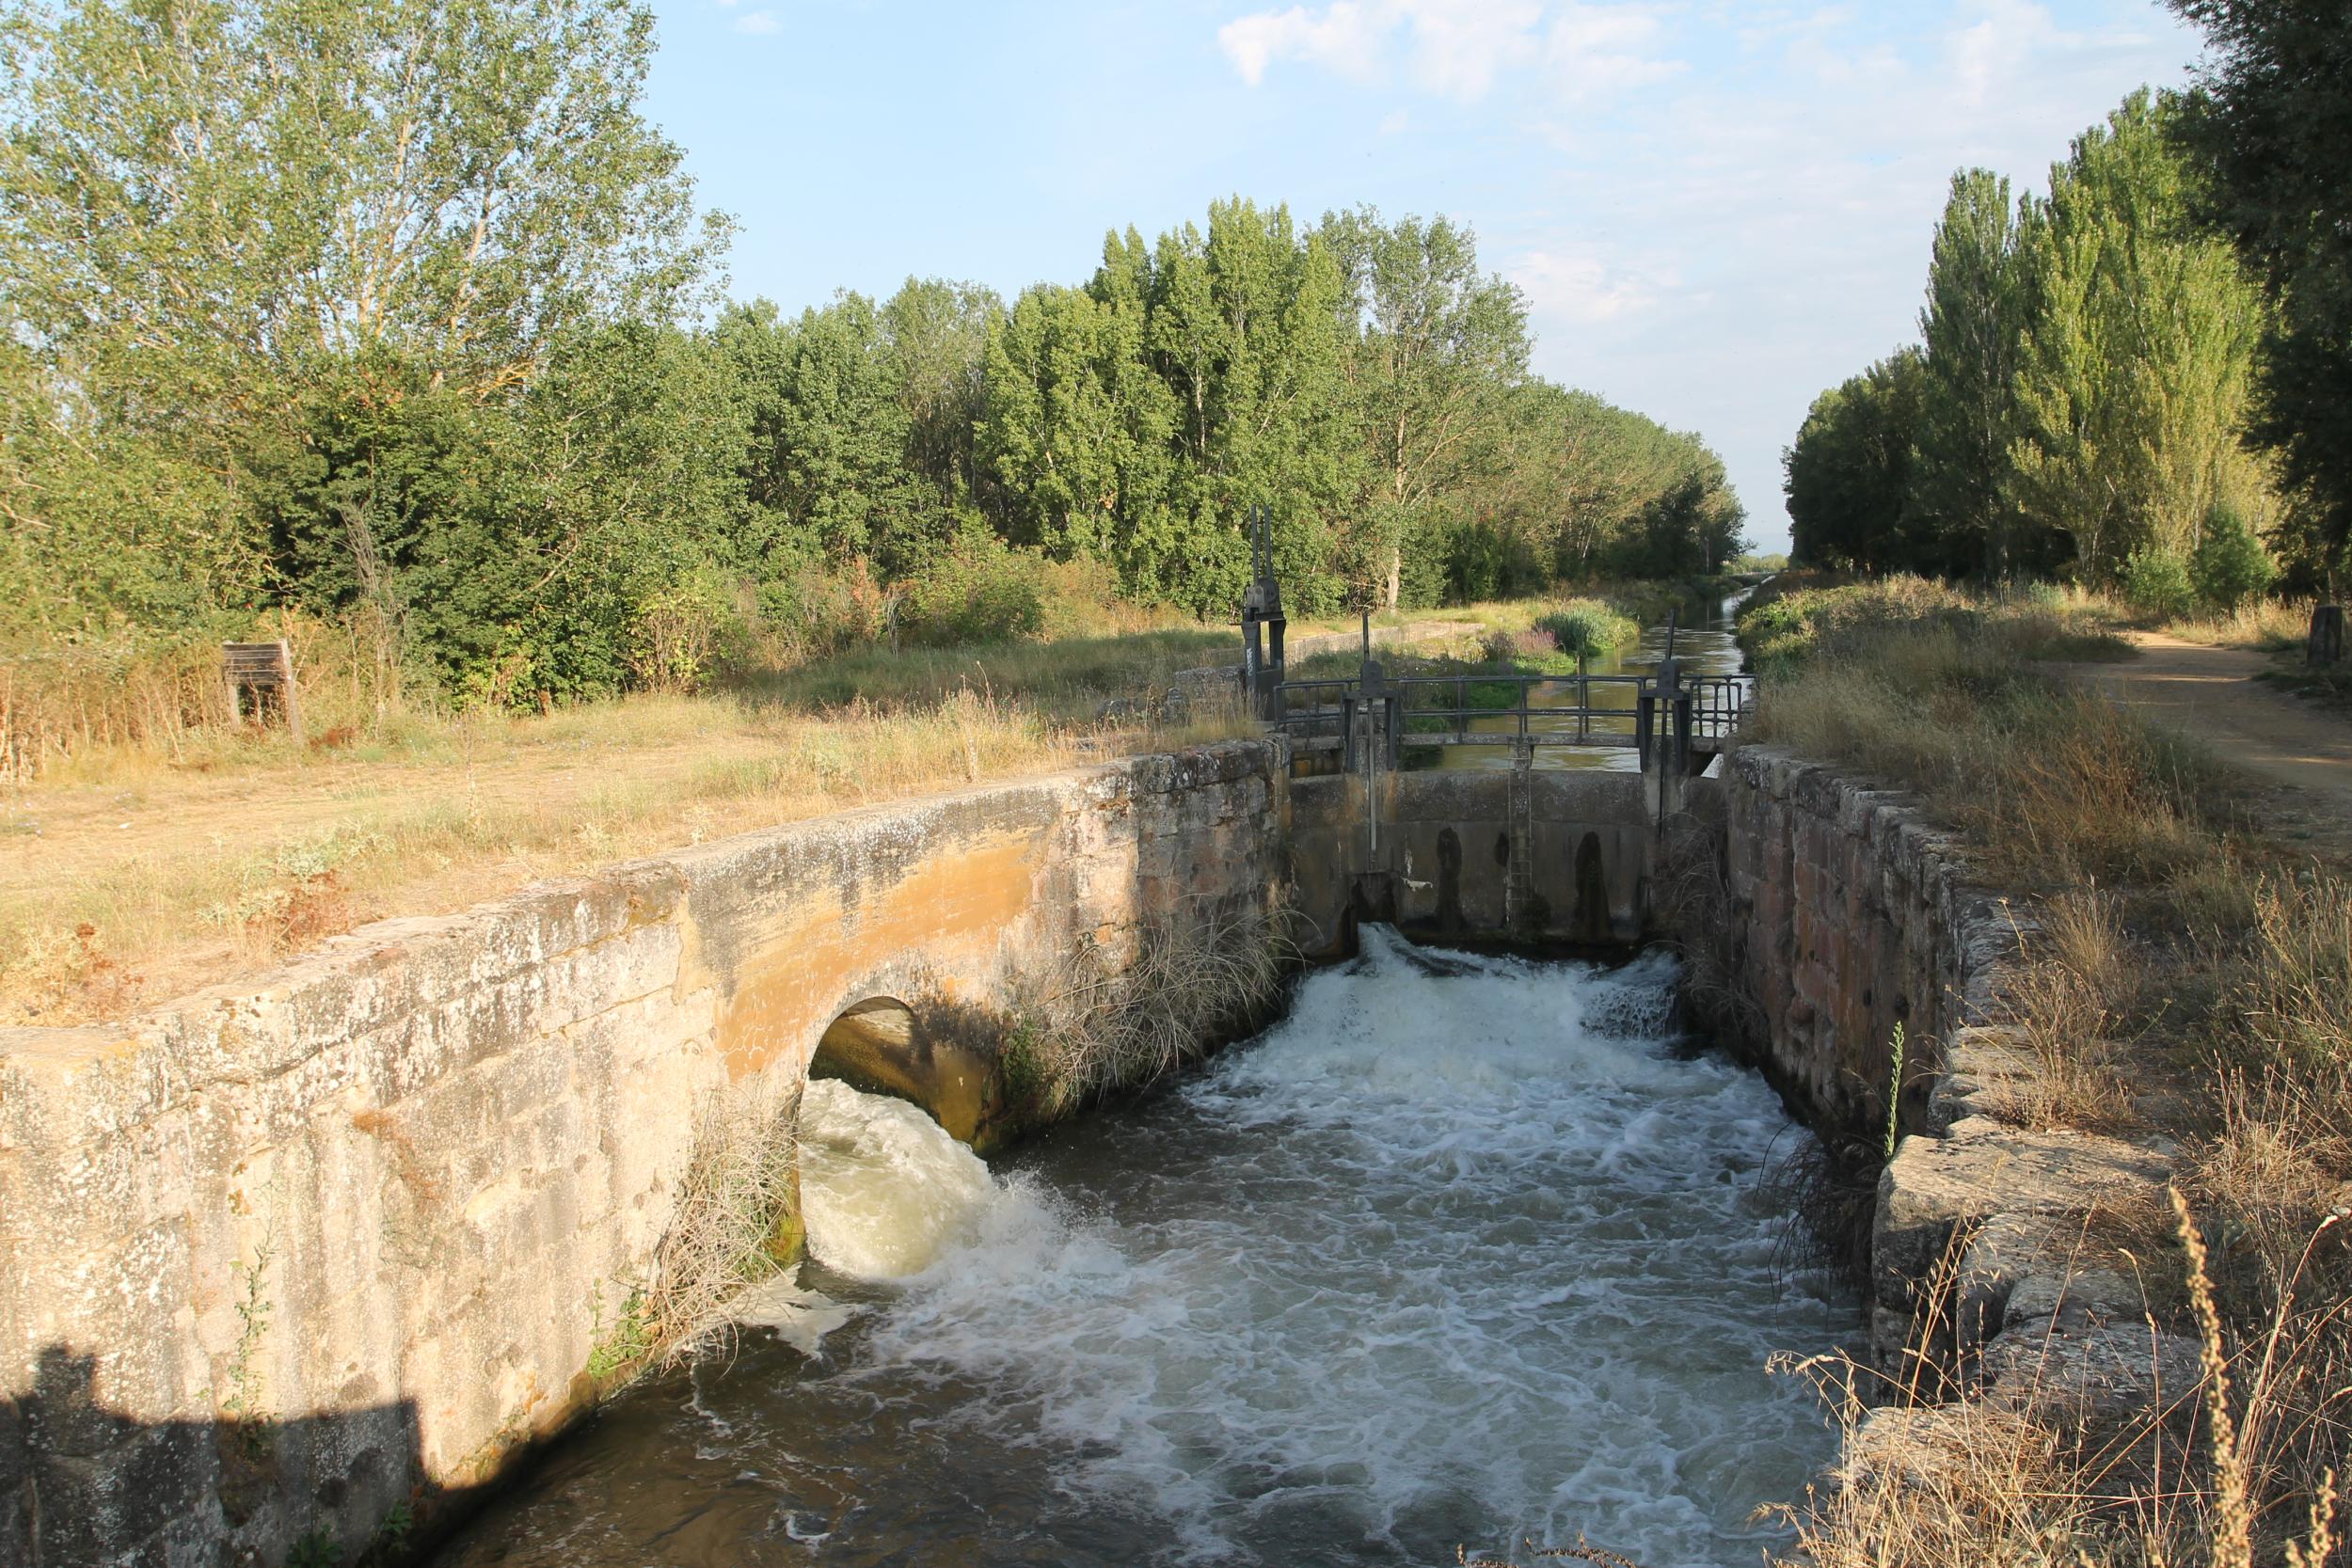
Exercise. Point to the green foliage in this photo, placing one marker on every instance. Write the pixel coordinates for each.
(2137, 364)
(2230, 568)
(629, 1340)
(392, 314)
(317, 1548)
(245, 1404)
(1590, 627)
(2269, 129)
(1971, 328)
(977, 590)
(394, 1529)
(2155, 582)
(1849, 473)
(2083, 393)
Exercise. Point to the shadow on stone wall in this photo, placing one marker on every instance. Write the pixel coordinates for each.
(84, 1486)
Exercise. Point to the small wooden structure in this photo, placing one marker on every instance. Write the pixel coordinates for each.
(262, 675)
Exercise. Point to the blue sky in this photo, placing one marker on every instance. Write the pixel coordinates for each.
(1715, 208)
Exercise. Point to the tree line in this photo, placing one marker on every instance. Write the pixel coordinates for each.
(2144, 377)
(398, 314)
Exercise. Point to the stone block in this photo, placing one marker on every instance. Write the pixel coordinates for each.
(1935, 1186)
(2104, 1385)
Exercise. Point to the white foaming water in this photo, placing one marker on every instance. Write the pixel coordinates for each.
(882, 1186)
(1459, 1257)
(1460, 1252)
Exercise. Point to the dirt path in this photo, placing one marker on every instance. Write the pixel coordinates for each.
(2212, 693)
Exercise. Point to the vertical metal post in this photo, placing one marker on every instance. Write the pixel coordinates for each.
(1584, 700)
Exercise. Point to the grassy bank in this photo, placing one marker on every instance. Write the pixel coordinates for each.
(142, 861)
(2190, 980)
(135, 870)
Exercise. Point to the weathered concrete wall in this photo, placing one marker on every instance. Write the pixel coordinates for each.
(1840, 912)
(1538, 855)
(283, 1254)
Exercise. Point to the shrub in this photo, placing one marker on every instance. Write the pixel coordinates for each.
(810, 613)
(979, 590)
(2156, 584)
(2230, 566)
(688, 634)
(1588, 627)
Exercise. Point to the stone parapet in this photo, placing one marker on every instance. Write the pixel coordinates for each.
(1843, 912)
(293, 1258)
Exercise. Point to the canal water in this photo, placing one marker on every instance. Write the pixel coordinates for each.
(1706, 649)
(1465, 1251)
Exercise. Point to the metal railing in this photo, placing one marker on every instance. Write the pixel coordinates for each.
(1523, 711)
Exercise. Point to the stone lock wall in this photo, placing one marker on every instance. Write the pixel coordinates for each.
(1845, 916)
(294, 1259)
(1842, 911)
(1557, 855)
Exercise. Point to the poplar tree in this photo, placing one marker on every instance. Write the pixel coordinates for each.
(1848, 473)
(1437, 344)
(1971, 326)
(2271, 120)
(2134, 372)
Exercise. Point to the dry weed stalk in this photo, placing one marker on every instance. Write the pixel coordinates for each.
(1091, 1023)
(1960, 1484)
(740, 1184)
(1581, 1551)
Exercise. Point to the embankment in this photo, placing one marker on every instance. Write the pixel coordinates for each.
(308, 1260)
(1838, 914)
(304, 1258)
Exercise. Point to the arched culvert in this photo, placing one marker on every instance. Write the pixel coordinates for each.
(880, 1047)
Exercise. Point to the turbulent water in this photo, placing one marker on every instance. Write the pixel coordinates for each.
(1463, 1252)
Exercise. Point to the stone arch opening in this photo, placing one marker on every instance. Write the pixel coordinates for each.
(880, 1045)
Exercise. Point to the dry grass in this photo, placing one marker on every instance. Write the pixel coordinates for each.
(2268, 625)
(185, 877)
(1100, 1020)
(2188, 975)
(737, 1216)
(2055, 784)
(2237, 1470)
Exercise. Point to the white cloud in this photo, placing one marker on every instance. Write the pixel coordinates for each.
(757, 21)
(1599, 50)
(1344, 36)
(1717, 254)
(1994, 48)
(1575, 285)
(1458, 45)
(1452, 48)
(1395, 121)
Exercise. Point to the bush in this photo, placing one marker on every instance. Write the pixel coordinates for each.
(2155, 583)
(689, 634)
(2231, 565)
(1588, 627)
(979, 590)
(811, 612)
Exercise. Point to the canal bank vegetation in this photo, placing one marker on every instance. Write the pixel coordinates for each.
(575, 556)
(2133, 379)
(2184, 971)
(459, 392)
(146, 868)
